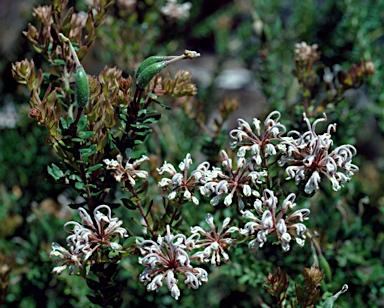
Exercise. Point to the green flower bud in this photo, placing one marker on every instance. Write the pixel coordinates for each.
(143, 65)
(147, 74)
(82, 87)
(325, 266)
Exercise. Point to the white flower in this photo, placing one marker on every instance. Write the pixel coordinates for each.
(166, 259)
(88, 238)
(308, 157)
(176, 11)
(214, 241)
(274, 220)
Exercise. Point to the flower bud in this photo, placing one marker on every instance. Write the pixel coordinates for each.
(147, 62)
(82, 87)
(144, 78)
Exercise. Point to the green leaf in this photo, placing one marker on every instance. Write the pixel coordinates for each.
(111, 140)
(327, 269)
(86, 135)
(330, 300)
(94, 194)
(162, 104)
(74, 177)
(76, 140)
(88, 151)
(129, 242)
(93, 168)
(152, 119)
(59, 62)
(55, 172)
(82, 124)
(66, 123)
(137, 154)
(299, 294)
(79, 185)
(113, 253)
(129, 204)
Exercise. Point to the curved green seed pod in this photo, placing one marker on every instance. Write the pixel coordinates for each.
(143, 65)
(82, 87)
(325, 266)
(146, 75)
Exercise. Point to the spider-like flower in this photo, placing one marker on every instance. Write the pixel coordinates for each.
(215, 241)
(127, 173)
(268, 219)
(86, 237)
(306, 53)
(307, 156)
(180, 181)
(68, 258)
(259, 143)
(166, 259)
(177, 11)
(236, 182)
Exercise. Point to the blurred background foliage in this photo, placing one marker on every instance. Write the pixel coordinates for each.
(247, 49)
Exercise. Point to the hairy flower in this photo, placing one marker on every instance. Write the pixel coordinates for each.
(181, 181)
(234, 182)
(177, 11)
(166, 259)
(268, 219)
(306, 53)
(215, 242)
(308, 158)
(86, 237)
(68, 258)
(128, 173)
(258, 142)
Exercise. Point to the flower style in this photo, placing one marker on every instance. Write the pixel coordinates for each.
(269, 220)
(86, 237)
(167, 258)
(307, 156)
(127, 173)
(260, 144)
(180, 180)
(215, 242)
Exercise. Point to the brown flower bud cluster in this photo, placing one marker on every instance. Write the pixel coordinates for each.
(79, 27)
(178, 86)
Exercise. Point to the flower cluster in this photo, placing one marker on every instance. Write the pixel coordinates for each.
(166, 259)
(234, 182)
(306, 53)
(127, 173)
(215, 242)
(268, 219)
(260, 144)
(180, 181)
(101, 231)
(307, 156)
(177, 11)
(211, 181)
(249, 173)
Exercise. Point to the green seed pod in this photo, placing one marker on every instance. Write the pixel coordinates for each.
(327, 269)
(143, 65)
(146, 75)
(82, 87)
